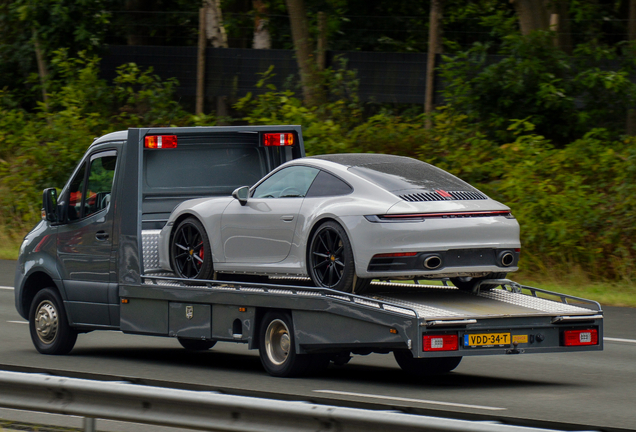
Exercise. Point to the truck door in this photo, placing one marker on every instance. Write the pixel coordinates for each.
(84, 241)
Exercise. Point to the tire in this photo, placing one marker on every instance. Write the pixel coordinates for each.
(48, 324)
(196, 344)
(362, 286)
(468, 283)
(330, 258)
(423, 367)
(277, 352)
(190, 253)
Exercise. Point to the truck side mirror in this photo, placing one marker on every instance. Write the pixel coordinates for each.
(49, 203)
(241, 194)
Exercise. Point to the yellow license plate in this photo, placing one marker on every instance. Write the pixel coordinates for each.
(486, 339)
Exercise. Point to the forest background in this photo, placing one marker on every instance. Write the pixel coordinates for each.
(548, 129)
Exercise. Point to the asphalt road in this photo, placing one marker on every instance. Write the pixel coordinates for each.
(595, 390)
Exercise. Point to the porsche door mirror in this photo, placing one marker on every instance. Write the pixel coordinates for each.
(49, 202)
(241, 194)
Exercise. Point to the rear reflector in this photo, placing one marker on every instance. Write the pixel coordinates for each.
(395, 255)
(278, 139)
(448, 342)
(160, 141)
(580, 337)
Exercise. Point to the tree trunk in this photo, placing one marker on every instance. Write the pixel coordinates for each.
(214, 28)
(304, 54)
(262, 38)
(321, 54)
(201, 64)
(539, 15)
(631, 114)
(138, 34)
(42, 71)
(533, 15)
(434, 47)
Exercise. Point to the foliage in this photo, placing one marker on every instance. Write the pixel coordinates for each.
(40, 149)
(534, 80)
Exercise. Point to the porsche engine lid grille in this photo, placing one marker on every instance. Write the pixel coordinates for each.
(443, 196)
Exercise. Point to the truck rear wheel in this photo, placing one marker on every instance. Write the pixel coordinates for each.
(190, 253)
(196, 344)
(277, 348)
(50, 331)
(422, 367)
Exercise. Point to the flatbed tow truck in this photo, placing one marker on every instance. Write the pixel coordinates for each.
(95, 267)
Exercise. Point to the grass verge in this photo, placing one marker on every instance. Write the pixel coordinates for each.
(9, 245)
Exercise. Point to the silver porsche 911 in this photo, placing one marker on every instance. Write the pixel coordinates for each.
(343, 220)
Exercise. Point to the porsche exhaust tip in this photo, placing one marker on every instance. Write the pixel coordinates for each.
(506, 259)
(432, 262)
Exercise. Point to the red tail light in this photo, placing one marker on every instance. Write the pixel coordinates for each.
(580, 337)
(160, 141)
(278, 139)
(395, 255)
(447, 342)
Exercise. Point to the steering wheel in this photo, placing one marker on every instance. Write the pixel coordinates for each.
(285, 192)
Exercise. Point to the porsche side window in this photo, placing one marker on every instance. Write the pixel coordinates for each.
(328, 185)
(287, 183)
(100, 183)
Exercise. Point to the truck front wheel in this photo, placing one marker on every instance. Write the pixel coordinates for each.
(277, 348)
(422, 367)
(50, 331)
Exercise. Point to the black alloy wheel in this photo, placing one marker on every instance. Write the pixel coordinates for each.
(190, 251)
(469, 283)
(330, 258)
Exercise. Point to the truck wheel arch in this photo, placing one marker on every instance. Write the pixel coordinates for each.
(34, 283)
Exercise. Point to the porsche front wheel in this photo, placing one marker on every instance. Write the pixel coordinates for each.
(330, 258)
(190, 253)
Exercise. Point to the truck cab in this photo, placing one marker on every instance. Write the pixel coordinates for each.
(87, 243)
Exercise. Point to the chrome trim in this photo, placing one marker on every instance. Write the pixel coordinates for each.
(442, 323)
(576, 318)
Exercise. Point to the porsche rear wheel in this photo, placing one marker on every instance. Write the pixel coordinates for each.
(468, 283)
(330, 258)
(190, 253)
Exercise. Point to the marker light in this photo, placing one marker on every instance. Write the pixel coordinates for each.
(447, 342)
(278, 139)
(580, 337)
(160, 141)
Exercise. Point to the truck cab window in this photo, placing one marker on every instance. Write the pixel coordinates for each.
(100, 183)
(75, 195)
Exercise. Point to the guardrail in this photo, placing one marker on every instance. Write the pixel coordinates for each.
(209, 410)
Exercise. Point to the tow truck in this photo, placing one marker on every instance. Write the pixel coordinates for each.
(92, 263)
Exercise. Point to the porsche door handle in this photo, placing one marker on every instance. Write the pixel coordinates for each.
(287, 218)
(101, 235)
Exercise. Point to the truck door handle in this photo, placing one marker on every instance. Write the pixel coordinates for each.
(287, 218)
(101, 235)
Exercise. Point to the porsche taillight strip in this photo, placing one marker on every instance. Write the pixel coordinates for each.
(505, 213)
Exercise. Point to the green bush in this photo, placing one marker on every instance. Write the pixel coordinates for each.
(40, 149)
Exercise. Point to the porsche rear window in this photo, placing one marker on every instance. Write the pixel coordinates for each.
(405, 173)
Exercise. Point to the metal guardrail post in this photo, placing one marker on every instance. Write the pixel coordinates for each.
(89, 424)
